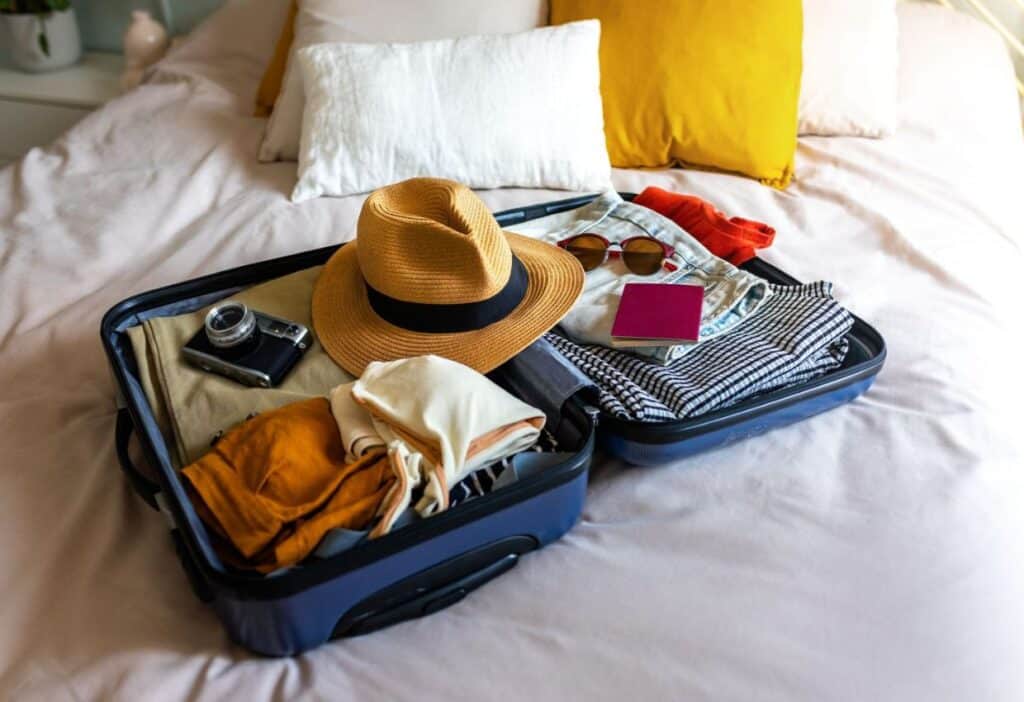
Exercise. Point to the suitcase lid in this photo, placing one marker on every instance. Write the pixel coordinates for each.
(864, 360)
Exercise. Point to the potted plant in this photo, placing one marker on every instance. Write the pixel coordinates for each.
(42, 34)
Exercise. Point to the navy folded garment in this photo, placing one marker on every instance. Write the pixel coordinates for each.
(797, 334)
(508, 470)
(542, 377)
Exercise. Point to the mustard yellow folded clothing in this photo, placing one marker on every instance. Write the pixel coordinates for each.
(275, 484)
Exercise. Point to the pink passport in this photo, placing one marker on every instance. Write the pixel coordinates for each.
(658, 314)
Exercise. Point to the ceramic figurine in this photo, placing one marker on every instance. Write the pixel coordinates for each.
(145, 43)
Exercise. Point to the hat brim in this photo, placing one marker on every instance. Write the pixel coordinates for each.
(354, 335)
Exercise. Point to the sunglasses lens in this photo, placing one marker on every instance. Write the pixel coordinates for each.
(588, 249)
(643, 256)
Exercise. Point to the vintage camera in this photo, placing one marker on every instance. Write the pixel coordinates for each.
(248, 346)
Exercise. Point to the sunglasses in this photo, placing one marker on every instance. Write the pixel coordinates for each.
(643, 255)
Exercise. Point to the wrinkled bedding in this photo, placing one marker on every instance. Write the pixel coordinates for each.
(875, 552)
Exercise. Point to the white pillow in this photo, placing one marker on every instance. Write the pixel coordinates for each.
(488, 111)
(851, 68)
(372, 21)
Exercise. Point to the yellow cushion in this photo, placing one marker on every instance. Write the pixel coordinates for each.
(270, 86)
(707, 83)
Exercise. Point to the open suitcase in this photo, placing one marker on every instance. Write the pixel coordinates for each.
(435, 562)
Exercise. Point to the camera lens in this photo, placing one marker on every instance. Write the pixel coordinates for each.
(231, 327)
(226, 317)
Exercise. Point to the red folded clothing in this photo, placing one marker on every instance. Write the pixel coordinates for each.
(732, 238)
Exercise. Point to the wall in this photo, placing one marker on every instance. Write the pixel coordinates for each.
(1010, 13)
(103, 21)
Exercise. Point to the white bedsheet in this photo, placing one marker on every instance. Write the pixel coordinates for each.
(872, 553)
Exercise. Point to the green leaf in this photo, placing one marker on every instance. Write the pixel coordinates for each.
(44, 43)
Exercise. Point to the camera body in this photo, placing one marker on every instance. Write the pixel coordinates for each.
(247, 346)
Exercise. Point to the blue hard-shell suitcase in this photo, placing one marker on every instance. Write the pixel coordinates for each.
(415, 570)
(433, 563)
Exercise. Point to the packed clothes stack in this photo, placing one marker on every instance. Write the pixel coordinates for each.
(348, 466)
(393, 412)
(754, 336)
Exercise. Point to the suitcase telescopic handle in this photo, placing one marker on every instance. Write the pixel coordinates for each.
(146, 488)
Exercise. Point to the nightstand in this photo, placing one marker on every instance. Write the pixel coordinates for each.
(36, 108)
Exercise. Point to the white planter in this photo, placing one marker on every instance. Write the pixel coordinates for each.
(22, 32)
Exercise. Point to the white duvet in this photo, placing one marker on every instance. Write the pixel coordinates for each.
(875, 552)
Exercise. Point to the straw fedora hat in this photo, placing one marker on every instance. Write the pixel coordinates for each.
(432, 272)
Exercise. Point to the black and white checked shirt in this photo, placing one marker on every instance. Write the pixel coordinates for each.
(797, 334)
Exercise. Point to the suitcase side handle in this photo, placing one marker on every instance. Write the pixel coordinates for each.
(143, 486)
(435, 588)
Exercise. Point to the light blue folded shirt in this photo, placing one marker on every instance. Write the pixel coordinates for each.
(730, 294)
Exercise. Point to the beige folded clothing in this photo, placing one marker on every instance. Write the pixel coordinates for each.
(407, 469)
(192, 406)
(358, 435)
(453, 417)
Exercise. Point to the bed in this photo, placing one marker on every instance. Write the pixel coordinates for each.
(875, 552)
